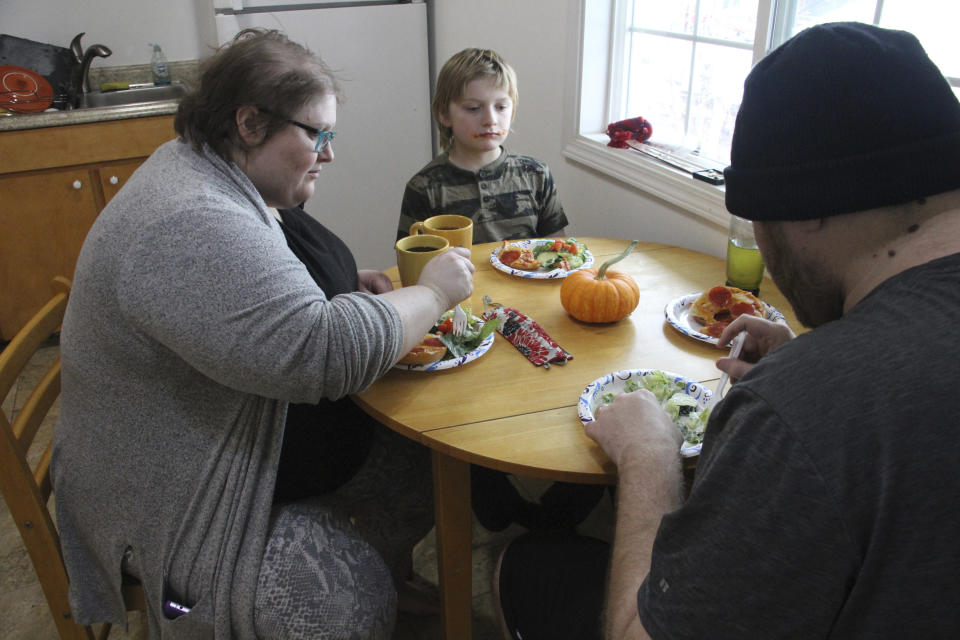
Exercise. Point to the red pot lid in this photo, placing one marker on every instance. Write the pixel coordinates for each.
(23, 90)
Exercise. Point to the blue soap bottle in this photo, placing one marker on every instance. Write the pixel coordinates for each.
(161, 73)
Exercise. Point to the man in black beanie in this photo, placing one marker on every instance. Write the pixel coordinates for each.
(824, 504)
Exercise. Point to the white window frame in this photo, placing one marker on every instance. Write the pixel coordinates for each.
(585, 122)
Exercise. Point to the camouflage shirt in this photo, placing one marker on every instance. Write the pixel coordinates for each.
(512, 197)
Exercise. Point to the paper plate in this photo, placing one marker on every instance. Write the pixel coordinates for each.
(614, 382)
(23, 90)
(440, 365)
(536, 275)
(678, 316)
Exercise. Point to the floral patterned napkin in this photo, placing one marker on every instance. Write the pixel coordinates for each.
(526, 335)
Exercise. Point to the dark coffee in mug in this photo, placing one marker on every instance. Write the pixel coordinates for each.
(422, 249)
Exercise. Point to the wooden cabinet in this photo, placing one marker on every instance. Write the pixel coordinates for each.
(53, 183)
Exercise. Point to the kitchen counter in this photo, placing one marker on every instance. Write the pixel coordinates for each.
(86, 116)
(186, 71)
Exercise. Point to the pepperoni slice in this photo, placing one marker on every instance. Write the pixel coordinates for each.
(509, 257)
(720, 296)
(741, 308)
(715, 330)
(432, 342)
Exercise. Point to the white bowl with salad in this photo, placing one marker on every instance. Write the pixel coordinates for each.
(556, 261)
(682, 399)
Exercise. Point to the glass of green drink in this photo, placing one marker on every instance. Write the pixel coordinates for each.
(744, 264)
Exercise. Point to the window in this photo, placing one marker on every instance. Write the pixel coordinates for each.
(681, 65)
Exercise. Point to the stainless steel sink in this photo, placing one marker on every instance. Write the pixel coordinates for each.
(173, 91)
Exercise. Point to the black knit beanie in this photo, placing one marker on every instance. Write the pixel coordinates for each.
(843, 117)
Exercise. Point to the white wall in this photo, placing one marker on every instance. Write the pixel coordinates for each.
(184, 28)
(533, 35)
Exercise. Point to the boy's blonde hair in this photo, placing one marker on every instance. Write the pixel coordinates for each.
(462, 69)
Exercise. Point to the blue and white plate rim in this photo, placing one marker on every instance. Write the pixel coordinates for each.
(678, 316)
(615, 381)
(440, 365)
(536, 275)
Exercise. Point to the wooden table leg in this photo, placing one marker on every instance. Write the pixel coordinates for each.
(451, 494)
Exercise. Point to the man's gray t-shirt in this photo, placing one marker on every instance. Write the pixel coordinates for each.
(825, 501)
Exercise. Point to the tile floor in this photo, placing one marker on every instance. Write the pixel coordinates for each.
(24, 614)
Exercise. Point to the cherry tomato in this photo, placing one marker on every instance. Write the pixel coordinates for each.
(446, 326)
(556, 246)
(572, 248)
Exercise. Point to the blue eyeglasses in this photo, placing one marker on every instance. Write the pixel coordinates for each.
(324, 138)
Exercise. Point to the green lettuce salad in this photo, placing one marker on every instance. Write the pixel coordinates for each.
(475, 333)
(682, 408)
(560, 254)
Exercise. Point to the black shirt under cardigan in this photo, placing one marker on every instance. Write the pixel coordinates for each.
(323, 444)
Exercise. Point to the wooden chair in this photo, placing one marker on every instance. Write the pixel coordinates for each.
(27, 490)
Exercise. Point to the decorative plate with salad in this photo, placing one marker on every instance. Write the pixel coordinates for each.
(475, 341)
(541, 258)
(683, 400)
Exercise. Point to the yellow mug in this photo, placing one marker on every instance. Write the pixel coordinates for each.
(458, 230)
(413, 252)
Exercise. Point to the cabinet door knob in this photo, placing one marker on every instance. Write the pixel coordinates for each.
(77, 184)
(114, 180)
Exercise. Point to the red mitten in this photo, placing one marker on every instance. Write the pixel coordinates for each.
(638, 129)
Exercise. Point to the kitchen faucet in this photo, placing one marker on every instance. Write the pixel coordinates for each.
(81, 83)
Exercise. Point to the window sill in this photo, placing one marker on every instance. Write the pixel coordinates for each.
(672, 185)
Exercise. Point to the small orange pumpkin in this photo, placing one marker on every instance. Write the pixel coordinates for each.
(599, 295)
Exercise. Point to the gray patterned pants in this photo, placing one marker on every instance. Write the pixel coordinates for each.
(331, 562)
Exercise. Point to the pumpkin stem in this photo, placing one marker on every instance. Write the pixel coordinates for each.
(601, 274)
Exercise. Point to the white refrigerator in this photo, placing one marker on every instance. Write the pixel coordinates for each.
(380, 51)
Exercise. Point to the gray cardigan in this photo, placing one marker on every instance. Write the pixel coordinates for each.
(190, 327)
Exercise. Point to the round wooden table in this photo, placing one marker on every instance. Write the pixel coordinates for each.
(503, 412)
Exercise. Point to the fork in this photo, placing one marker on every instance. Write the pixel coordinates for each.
(735, 345)
(459, 320)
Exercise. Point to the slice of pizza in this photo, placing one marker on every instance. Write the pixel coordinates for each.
(719, 306)
(517, 257)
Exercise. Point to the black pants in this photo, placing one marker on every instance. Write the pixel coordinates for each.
(497, 503)
(551, 585)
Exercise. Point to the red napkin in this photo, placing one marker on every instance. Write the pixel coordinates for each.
(638, 129)
(526, 335)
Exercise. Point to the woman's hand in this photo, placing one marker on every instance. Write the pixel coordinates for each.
(449, 275)
(444, 281)
(372, 281)
(762, 337)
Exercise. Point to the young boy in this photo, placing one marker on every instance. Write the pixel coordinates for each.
(506, 195)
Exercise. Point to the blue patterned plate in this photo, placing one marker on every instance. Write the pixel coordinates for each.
(678, 315)
(614, 382)
(440, 365)
(536, 275)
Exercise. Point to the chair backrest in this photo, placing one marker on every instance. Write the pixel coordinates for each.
(27, 488)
